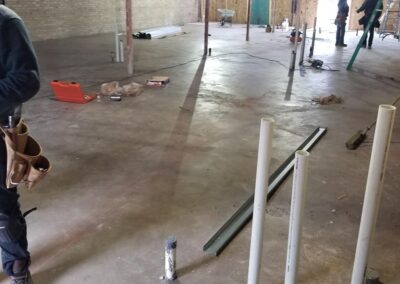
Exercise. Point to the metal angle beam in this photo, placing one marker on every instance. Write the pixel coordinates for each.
(221, 239)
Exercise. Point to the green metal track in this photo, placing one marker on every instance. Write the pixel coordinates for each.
(243, 215)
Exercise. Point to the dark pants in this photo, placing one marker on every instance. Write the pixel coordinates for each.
(340, 31)
(371, 36)
(13, 241)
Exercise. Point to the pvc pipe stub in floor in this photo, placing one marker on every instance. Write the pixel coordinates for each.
(170, 258)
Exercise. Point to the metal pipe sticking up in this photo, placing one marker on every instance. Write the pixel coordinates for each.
(313, 38)
(296, 43)
(374, 187)
(248, 20)
(260, 199)
(206, 26)
(303, 44)
(129, 40)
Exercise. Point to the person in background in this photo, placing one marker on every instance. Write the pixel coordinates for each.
(368, 7)
(19, 81)
(343, 13)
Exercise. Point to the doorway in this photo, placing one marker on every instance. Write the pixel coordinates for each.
(260, 12)
(326, 13)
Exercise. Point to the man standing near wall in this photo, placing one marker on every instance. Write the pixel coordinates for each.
(368, 7)
(19, 81)
(341, 18)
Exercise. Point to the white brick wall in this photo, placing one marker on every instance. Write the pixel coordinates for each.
(49, 19)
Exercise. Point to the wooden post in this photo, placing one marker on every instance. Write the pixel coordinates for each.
(248, 20)
(206, 21)
(129, 39)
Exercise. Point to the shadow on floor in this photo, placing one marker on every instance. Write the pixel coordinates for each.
(289, 88)
(175, 148)
(84, 240)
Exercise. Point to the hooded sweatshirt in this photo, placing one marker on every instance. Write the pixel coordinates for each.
(19, 72)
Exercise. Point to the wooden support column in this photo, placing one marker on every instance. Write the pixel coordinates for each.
(129, 40)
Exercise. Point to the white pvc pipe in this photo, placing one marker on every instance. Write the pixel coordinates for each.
(117, 48)
(260, 199)
(377, 167)
(299, 193)
(121, 51)
(116, 21)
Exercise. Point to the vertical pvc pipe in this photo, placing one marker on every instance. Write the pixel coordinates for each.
(206, 24)
(121, 51)
(117, 46)
(248, 20)
(129, 35)
(299, 193)
(376, 173)
(260, 199)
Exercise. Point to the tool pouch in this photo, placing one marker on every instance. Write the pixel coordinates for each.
(25, 163)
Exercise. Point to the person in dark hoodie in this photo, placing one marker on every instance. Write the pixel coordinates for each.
(368, 7)
(341, 18)
(19, 81)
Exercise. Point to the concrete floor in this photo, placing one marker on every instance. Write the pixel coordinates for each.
(180, 160)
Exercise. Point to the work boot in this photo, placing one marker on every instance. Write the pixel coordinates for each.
(23, 279)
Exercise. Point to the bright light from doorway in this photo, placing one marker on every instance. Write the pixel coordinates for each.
(326, 13)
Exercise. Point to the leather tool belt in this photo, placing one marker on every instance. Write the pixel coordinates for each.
(25, 163)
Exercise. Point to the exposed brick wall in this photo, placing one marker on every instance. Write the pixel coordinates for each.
(47, 19)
